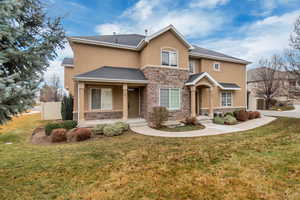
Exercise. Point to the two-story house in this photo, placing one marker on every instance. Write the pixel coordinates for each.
(125, 76)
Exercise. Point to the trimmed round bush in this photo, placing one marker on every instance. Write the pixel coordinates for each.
(98, 130)
(257, 114)
(59, 135)
(252, 115)
(112, 130)
(229, 113)
(191, 121)
(51, 126)
(123, 125)
(79, 134)
(242, 115)
(218, 120)
(230, 120)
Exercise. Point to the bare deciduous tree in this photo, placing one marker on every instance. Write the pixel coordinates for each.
(269, 78)
(55, 82)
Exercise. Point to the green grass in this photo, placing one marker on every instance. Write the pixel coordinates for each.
(263, 163)
(181, 128)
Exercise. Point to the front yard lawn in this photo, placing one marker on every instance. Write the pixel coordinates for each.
(282, 108)
(182, 128)
(263, 163)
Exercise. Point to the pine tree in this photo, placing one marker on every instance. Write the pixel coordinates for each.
(28, 40)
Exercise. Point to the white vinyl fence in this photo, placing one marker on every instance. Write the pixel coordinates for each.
(50, 110)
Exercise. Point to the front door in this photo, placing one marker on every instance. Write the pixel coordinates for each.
(133, 102)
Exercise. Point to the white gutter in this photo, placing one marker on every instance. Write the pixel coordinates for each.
(110, 80)
(218, 58)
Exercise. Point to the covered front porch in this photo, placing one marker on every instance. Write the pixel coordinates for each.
(115, 97)
(206, 95)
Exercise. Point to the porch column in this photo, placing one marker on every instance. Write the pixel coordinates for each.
(193, 101)
(80, 101)
(211, 103)
(125, 102)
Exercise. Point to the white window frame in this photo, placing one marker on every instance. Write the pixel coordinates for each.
(169, 51)
(169, 90)
(226, 103)
(101, 108)
(193, 66)
(214, 66)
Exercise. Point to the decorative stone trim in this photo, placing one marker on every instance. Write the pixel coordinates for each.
(102, 115)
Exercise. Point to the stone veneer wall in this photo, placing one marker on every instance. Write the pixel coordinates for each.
(100, 115)
(160, 77)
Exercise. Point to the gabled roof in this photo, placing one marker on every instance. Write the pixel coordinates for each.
(174, 30)
(195, 78)
(67, 62)
(113, 74)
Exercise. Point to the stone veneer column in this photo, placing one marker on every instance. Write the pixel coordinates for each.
(80, 101)
(193, 101)
(211, 103)
(125, 102)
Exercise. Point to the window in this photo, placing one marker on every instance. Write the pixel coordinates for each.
(170, 98)
(169, 58)
(217, 66)
(226, 99)
(292, 83)
(101, 98)
(192, 66)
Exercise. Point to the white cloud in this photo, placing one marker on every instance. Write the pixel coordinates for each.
(266, 7)
(55, 65)
(208, 4)
(154, 15)
(261, 39)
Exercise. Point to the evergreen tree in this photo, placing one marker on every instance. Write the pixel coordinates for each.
(28, 40)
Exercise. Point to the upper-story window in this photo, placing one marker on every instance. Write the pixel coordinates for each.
(169, 58)
(216, 66)
(192, 66)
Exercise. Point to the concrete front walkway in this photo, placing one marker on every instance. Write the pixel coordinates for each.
(291, 113)
(210, 129)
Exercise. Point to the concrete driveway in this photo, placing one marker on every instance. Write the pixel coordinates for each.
(292, 113)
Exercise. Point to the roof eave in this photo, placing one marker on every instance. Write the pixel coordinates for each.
(109, 80)
(108, 44)
(219, 58)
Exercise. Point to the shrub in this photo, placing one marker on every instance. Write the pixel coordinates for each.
(98, 130)
(124, 126)
(229, 113)
(252, 115)
(112, 130)
(158, 116)
(67, 107)
(51, 126)
(230, 120)
(273, 102)
(79, 134)
(69, 124)
(218, 120)
(191, 121)
(64, 124)
(242, 115)
(257, 114)
(59, 135)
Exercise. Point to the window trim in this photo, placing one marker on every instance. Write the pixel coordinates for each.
(101, 109)
(223, 106)
(169, 51)
(217, 63)
(194, 66)
(169, 89)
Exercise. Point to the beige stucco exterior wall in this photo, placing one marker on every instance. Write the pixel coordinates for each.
(151, 54)
(90, 57)
(229, 73)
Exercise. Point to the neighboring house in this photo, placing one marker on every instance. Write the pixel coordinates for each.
(125, 76)
(288, 91)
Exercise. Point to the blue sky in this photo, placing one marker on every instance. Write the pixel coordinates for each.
(248, 29)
